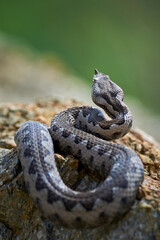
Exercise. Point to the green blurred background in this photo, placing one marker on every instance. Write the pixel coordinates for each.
(119, 38)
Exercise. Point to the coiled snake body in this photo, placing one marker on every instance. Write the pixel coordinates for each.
(82, 132)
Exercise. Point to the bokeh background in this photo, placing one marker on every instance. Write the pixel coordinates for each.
(119, 38)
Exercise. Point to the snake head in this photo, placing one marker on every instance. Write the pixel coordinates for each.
(98, 76)
(106, 93)
(101, 85)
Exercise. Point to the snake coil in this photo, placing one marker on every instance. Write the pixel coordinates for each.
(83, 132)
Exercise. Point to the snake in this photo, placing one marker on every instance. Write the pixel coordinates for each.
(86, 133)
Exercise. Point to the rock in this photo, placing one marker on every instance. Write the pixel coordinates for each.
(5, 233)
(19, 217)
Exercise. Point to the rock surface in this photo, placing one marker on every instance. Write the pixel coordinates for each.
(19, 217)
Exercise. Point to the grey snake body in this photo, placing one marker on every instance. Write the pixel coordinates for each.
(82, 132)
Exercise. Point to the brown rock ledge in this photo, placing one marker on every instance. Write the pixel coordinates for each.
(19, 217)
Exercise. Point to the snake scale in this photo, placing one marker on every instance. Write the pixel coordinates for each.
(82, 132)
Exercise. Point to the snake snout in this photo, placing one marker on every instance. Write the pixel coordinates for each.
(97, 76)
(96, 71)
